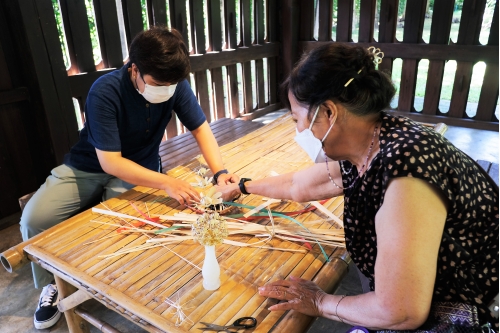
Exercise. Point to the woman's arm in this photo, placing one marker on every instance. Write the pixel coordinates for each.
(409, 228)
(305, 185)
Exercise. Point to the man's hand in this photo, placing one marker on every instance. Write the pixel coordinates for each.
(229, 192)
(227, 178)
(181, 191)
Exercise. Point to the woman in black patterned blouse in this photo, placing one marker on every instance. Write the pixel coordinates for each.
(420, 217)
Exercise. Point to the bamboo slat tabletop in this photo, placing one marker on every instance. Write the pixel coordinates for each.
(139, 284)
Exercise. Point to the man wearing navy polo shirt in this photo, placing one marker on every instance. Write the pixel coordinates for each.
(126, 113)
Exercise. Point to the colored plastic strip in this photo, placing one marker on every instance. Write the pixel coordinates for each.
(279, 214)
(151, 219)
(169, 229)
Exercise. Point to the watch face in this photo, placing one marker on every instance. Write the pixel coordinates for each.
(357, 329)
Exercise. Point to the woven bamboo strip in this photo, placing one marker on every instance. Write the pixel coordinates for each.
(327, 278)
(132, 239)
(249, 273)
(14, 258)
(256, 302)
(72, 237)
(246, 287)
(91, 251)
(149, 277)
(281, 272)
(153, 298)
(119, 298)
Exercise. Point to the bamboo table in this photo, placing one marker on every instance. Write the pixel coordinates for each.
(137, 284)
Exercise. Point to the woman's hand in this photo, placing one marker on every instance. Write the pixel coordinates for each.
(300, 295)
(227, 178)
(180, 191)
(229, 192)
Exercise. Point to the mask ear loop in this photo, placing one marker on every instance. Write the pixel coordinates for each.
(328, 132)
(314, 117)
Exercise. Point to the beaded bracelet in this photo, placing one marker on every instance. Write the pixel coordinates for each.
(337, 307)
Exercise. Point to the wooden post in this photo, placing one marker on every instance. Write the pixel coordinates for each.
(290, 34)
(76, 324)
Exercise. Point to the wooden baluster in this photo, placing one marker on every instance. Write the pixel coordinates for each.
(344, 20)
(132, 16)
(367, 21)
(440, 34)
(387, 28)
(78, 28)
(157, 11)
(179, 19)
(468, 34)
(414, 22)
(109, 33)
(489, 91)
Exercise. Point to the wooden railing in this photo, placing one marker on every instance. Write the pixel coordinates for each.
(221, 51)
(467, 50)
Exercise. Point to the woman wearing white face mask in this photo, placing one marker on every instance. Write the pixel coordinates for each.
(420, 217)
(126, 114)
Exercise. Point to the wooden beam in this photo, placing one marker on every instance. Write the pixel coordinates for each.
(471, 53)
(450, 121)
(14, 95)
(260, 112)
(211, 60)
(80, 83)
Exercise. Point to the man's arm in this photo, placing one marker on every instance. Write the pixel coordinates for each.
(114, 164)
(211, 152)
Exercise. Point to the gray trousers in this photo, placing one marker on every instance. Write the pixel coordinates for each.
(66, 192)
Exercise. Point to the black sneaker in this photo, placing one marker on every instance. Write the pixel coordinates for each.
(47, 314)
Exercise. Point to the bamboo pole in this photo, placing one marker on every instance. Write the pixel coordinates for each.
(76, 324)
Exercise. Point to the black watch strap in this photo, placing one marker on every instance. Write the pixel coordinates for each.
(241, 184)
(218, 173)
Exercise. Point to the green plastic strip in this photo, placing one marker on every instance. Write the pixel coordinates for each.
(168, 229)
(276, 214)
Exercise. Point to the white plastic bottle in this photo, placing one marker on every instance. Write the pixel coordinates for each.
(211, 269)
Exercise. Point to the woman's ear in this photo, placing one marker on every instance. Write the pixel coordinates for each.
(331, 111)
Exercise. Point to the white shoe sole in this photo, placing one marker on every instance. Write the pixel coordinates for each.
(47, 323)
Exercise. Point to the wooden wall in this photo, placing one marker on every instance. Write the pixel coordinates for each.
(467, 50)
(26, 150)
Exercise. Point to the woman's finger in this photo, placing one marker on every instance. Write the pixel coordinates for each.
(283, 306)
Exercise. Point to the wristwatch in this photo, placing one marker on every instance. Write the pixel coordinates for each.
(241, 184)
(217, 174)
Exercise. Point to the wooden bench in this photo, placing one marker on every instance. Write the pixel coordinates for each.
(490, 168)
(181, 148)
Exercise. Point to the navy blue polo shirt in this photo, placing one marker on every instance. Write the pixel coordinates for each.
(119, 119)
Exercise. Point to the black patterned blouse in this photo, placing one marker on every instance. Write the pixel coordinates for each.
(467, 268)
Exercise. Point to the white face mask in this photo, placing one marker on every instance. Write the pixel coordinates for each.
(157, 94)
(310, 143)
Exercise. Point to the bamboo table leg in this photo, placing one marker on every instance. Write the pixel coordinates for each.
(76, 324)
